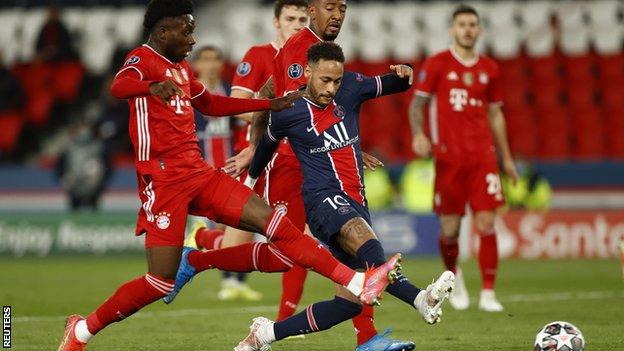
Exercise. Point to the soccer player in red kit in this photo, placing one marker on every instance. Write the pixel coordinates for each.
(251, 74)
(173, 179)
(285, 178)
(466, 122)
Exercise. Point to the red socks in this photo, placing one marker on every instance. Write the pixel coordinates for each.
(364, 324)
(488, 259)
(305, 251)
(248, 257)
(292, 288)
(209, 239)
(449, 249)
(129, 298)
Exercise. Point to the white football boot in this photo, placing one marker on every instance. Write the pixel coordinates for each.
(459, 298)
(488, 301)
(260, 337)
(429, 301)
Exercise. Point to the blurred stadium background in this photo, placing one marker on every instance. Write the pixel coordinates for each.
(563, 65)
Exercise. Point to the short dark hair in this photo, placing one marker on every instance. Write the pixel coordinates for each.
(201, 50)
(464, 9)
(159, 9)
(325, 50)
(280, 4)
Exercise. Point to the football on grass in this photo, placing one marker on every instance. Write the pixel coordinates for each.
(559, 336)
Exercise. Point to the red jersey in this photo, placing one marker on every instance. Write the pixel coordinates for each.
(166, 131)
(159, 130)
(289, 65)
(251, 74)
(291, 60)
(462, 91)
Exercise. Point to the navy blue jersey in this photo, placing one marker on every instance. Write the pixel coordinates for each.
(326, 140)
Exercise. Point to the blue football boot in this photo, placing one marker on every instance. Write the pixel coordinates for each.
(383, 343)
(186, 272)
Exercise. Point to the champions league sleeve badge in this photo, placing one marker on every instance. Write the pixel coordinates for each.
(295, 71)
(243, 69)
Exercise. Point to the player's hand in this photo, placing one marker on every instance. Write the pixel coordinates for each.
(165, 90)
(509, 166)
(285, 102)
(236, 165)
(403, 71)
(421, 145)
(371, 162)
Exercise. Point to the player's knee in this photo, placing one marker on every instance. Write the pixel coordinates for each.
(484, 222)
(450, 227)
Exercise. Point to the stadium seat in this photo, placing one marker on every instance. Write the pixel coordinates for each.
(10, 19)
(30, 26)
(548, 96)
(581, 96)
(38, 108)
(545, 69)
(607, 38)
(535, 14)
(612, 95)
(502, 14)
(604, 11)
(11, 123)
(66, 80)
(437, 15)
(74, 19)
(610, 67)
(575, 40)
(579, 69)
(128, 25)
(505, 42)
(569, 14)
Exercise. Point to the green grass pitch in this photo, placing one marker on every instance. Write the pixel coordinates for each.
(588, 293)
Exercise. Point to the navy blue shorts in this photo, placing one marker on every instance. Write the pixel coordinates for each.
(327, 214)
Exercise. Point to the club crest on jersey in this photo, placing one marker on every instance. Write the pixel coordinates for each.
(359, 77)
(176, 76)
(295, 71)
(452, 76)
(483, 78)
(339, 111)
(133, 60)
(243, 69)
(467, 78)
(162, 220)
(281, 207)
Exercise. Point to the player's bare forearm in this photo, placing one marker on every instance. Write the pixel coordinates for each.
(264, 151)
(267, 91)
(499, 131)
(243, 94)
(416, 115)
(259, 124)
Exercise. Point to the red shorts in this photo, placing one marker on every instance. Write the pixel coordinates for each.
(457, 184)
(168, 196)
(284, 180)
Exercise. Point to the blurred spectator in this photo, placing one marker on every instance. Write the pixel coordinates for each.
(54, 43)
(12, 96)
(214, 133)
(83, 168)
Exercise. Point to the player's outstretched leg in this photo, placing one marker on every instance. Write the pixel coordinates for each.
(248, 257)
(128, 299)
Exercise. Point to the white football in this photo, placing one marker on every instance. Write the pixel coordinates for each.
(559, 336)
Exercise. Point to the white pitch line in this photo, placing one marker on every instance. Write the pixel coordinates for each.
(560, 296)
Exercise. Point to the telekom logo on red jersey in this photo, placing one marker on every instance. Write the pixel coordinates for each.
(458, 98)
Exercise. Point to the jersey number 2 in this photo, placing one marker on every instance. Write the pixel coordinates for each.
(494, 185)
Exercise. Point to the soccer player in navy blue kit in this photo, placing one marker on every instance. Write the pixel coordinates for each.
(323, 129)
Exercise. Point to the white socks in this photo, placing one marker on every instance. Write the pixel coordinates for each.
(356, 285)
(82, 332)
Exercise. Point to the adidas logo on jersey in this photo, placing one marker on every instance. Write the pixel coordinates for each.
(452, 76)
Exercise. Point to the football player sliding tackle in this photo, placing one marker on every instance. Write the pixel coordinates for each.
(322, 128)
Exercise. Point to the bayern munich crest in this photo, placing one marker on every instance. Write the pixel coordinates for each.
(163, 221)
(243, 69)
(295, 71)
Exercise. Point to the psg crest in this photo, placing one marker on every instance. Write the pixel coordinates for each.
(339, 111)
(295, 71)
(243, 69)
